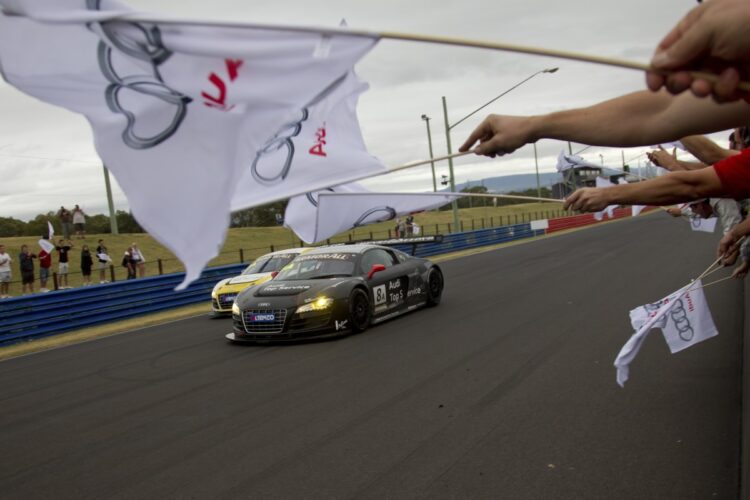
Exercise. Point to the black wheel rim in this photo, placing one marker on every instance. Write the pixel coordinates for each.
(435, 284)
(361, 310)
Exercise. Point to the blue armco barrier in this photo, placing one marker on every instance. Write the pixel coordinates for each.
(64, 310)
(472, 239)
(56, 312)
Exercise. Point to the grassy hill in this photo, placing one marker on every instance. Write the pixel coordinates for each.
(251, 242)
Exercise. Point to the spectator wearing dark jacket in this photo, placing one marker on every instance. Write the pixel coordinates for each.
(26, 263)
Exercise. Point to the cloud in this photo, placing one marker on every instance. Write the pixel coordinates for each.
(407, 80)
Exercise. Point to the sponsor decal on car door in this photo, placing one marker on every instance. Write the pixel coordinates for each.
(390, 295)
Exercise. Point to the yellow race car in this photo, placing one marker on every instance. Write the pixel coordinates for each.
(261, 270)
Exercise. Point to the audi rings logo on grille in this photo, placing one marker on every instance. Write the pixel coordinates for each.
(144, 44)
(282, 141)
(377, 214)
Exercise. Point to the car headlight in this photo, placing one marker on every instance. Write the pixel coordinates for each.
(236, 309)
(319, 304)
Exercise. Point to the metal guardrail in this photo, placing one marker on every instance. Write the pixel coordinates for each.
(57, 312)
(38, 315)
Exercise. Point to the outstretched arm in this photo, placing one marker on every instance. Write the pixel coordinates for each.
(637, 119)
(674, 187)
(706, 150)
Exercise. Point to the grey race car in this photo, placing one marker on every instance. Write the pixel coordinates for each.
(335, 290)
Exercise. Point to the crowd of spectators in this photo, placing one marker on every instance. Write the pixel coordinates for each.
(65, 251)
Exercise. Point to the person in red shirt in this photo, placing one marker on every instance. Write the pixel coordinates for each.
(45, 263)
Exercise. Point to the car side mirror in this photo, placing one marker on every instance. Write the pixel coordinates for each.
(376, 268)
(274, 274)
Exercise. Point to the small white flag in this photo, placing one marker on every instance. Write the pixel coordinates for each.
(568, 161)
(50, 231)
(703, 225)
(637, 209)
(675, 144)
(683, 317)
(46, 245)
(317, 216)
(610, 210)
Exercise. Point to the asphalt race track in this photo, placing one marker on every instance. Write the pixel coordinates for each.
(504, 391)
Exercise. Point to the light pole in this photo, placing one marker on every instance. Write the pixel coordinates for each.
(452, 179)
(112, 215)
(601, 157)
(432, 163)
(448, 128)
(536, 164)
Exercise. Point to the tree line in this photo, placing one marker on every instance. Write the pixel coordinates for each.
(95, 224)
(262, 216)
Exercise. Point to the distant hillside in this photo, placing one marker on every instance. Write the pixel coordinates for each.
(507, 183)
(521, 182)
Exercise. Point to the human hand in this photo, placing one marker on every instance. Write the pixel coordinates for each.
(662, 158)
(726, 244)
(741, 271)
(499, 135)
(674, 212)
(587, 200)
(731, 257)
(710, 38)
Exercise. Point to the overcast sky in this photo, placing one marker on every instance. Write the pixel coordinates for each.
(47, 157)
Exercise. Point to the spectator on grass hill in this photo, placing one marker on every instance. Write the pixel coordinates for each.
(26, 265)
(86, 263)
(127, 262)
(79, 222)
(138, 259)
(409, 226)
(5, 273)
(62, 268)
(66, 220)
(104, 260)
(45, 262)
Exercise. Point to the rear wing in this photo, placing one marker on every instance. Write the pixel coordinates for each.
(413, 241)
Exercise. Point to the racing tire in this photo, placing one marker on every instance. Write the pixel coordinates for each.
(434, 287)
(360, 312)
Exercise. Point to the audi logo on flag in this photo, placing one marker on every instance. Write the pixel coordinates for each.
(143, 44)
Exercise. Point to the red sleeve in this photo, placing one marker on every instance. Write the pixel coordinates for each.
(734, 174)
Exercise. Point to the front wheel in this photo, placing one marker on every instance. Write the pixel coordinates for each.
(434, 286)
(359, 311)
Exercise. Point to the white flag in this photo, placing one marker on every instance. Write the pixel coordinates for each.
(683, 317)
(675, 144)
(610, 210)
(50, 231)
(179, 112)
(568, 161)
(317, 216)
(703, 225)
(321, 147)
(46, 245)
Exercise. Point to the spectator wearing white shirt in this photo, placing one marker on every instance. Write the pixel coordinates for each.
(5, 273)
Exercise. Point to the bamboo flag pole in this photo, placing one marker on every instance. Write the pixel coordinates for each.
(385, 35)
(448, 193)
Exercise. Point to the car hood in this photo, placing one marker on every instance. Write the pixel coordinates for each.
(291, 288)
(246, 278)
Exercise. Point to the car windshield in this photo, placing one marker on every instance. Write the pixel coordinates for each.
(318, 266)
(269, 264)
